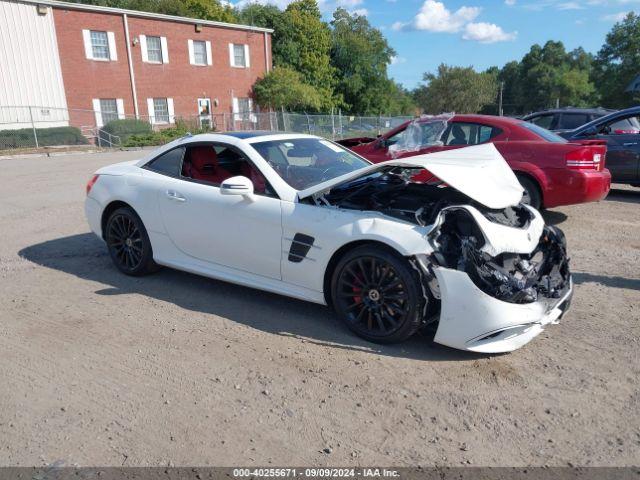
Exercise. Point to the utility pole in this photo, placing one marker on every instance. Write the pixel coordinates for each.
(500, 112)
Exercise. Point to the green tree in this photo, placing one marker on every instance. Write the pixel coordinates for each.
(361, 55)
(284, 88)
(618, 63)
(509, 76)
(456, 89)
(550, 75)
(306, 48)
(270, 16)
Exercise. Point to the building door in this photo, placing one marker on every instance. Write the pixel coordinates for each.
(204, 113)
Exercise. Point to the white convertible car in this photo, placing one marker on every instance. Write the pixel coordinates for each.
(303, 217)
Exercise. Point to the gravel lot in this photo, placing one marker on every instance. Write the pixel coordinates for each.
(101, 369)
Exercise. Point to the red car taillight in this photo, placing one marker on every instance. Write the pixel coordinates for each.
(91, 183)
(584, 159)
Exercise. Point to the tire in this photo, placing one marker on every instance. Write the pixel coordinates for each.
(128, 243)
(532, 195)
(362, 285)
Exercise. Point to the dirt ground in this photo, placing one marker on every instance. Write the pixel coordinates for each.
(101, 369)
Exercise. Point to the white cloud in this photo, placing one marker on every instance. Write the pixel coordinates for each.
(395, 60)
(615, 17)
(363, 12)
(511, 3)
(435, 17)
(569, 6)
(487, 33)
(349, 3)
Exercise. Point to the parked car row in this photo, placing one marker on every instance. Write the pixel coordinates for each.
(552, 170)
(619, 129)
(429, 234)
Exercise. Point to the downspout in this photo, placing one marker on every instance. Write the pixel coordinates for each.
(266, 52)
(131, 75)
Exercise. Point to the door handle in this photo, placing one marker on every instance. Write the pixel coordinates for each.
(630, 144)
(173, 195)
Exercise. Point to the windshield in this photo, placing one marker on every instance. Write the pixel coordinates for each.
(543, 133)
(305, 162)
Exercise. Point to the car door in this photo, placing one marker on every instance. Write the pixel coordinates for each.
(235, 231)
(623, 148)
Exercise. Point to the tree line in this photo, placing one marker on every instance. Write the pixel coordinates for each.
(343, 64)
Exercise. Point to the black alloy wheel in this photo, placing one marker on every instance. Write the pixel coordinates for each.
(128, 243)
(377, 294)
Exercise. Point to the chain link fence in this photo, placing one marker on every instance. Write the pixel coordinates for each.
(35, 127)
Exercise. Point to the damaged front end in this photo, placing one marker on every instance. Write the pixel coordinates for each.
(501, 277)
(499, 273)
(510, 277)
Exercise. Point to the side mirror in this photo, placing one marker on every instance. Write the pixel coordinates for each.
(237, 186)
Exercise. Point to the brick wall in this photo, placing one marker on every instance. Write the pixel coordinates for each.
(86, 79)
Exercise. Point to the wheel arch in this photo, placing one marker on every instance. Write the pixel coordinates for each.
(109, 209)
(536, 182)
(341, 252)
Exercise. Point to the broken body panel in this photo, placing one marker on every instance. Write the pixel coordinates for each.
(499, 274)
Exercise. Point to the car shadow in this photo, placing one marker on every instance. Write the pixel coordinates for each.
(553, 218)
(624, 195)
(85, 256)
(615, 282)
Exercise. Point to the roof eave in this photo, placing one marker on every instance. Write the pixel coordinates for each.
(139, 14)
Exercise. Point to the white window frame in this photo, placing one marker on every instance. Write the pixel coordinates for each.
(144, 50)
(152, 112)
(246, 116)
(97, 110)
(192, 56)
(112, 53)
(232, 55)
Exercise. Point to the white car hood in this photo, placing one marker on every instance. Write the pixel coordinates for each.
(480, 172)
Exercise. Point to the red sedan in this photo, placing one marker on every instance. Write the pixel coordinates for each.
(552, 171)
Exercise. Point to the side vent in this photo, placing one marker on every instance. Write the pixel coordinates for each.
(300, 246)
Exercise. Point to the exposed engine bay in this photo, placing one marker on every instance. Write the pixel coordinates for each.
(510, 277)
(457, 239)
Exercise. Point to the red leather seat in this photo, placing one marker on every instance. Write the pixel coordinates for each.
(203, 165)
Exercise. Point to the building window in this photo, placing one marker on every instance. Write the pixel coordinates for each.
(108, 110)
(154, 49)
(160, 110)
(199, 52)
(244, 108)
(100, 45)
(239, 59)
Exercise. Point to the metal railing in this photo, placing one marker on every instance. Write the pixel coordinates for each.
(35, 127)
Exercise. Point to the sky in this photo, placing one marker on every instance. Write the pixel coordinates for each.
(478, 33)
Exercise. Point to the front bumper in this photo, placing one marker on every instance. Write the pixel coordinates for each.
(474, 321)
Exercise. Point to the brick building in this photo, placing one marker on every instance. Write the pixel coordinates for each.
(104, 63)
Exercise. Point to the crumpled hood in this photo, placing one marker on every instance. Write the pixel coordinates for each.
(480, 172)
